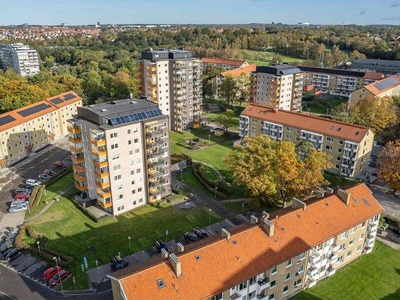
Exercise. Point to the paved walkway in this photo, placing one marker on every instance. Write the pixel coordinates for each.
(234, 200)
(385, 240)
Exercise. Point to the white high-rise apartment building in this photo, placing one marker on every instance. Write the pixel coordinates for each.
(173, 80)
(20, 58)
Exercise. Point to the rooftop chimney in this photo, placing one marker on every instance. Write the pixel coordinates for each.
(253, 220)
(268, 227)
(329, 191)
(320, 194)
(176, 264)
(275, 110)
(225, 234)
(179, 248)
(265, 215)
(344, 196)
(164, 253)
(296, 203)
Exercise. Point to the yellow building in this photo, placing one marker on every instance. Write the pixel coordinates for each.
(32, 127)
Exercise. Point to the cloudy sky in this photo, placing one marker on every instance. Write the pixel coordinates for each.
(199, 11)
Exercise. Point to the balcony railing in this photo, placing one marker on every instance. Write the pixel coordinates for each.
(102, 185)
(105, 204)
(75, 139)
(103, 194)
(81, 186)
(76, 150)
(77, 158)
(74, 129)
(100, 164)
(78, 167)
(263, 282)
(101, 174)
(97, 142)
(80, 176)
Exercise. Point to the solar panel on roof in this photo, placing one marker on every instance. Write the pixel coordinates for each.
(69, 97)
(57, 101)
(384, 84)
(135, 117)
(5, 120)
(33, 110)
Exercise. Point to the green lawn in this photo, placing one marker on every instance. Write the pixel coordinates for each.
(71, 232)
(335, 101)
(338, 181)
(262, 58)
(318, 108)
(236, 207)
(372, 276)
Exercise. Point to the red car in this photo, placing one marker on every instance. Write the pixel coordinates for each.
(21, 196)
(50, 272)
(58, 277)
(61, 164)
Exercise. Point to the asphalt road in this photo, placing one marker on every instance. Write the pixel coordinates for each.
(389, 202)
(30, 168)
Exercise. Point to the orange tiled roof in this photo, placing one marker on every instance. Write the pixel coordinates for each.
(307, 122)
(373, 75)
(388, 83)
(20, 119)
(231, 62)
(235, 73)
(222, 264)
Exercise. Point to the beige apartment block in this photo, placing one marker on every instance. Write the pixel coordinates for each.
(387, 67)
(279, 86)
(389, 86)
(173, 80)
(338, 82)
(229, 64)
(30, 128)
(20, 58)
(348, 145)
(272, 258)
(120, 153)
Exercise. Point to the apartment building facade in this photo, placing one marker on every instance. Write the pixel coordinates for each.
(279, 86)
(348, 145)
(120, 153)
(336, 81)
(30, 128)
(229, 64)
(173, 80)
(389, 86)
(387, 67)
(20, 58)
(272, 258)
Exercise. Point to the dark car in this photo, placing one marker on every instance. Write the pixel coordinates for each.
(22, 190)
(201, 233)
(50, 272)
(27, 186)
(44, 176)
(49, 172)
(61, 164)
(58, 277)
(161, 245)
(190, 236)
(117, 263)
(10, 254)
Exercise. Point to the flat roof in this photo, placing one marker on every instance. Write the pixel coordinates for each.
(377, 62)
(341, 72)
(278, 69)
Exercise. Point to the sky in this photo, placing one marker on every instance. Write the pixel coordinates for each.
(76, 12)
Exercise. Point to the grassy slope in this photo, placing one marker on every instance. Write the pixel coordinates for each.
(261, 58)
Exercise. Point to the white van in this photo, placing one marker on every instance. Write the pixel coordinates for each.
(18, 203)
(33, 182)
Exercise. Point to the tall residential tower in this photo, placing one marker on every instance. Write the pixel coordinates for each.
(20, 58)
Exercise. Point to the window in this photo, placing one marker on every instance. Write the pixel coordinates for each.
(348, 253)
(297, 283)
(354, 229)
(137, 150)
(274, 270)
(328, 147)
(351, 242)
(136, 141)
(301, 257)
(329, 139)
(289, 263)
(362, 236)
(345, 235)
(253, 280)
(252, 295)
(117, 167)
(300, 270)
(118, 177)
(286, 289)
(289, 129)
(113, 135)
(323, 268)
(338, 158)
(134, 202)
(272, 297)
(363, 224)
(133, 192)
(132, 172)
(137, 170)
(129, 142)
(139, 190)
(342, 247)
(114, 146)
(160, 283)
(130, 152)
(120, 208)
(120, 196)
(129, 131)
(273, 284)
(359, 248)
(287, 277)
(217, 297)
(243, 285)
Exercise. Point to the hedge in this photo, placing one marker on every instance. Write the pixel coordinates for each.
(221, 185)
(32, 197)
(200, 178)
(88, 213)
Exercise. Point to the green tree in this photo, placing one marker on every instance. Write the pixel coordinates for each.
(242, 86)
(389, 164)
(273, 172)
(228, 89)
(227, 119)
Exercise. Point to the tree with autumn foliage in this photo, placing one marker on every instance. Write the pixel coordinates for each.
(274, 172)
(389, 164)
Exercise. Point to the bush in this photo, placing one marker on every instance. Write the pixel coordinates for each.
(32, 197)
(195, 167)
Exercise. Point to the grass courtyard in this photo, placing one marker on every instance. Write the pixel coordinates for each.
(262, 58)
(372, 276)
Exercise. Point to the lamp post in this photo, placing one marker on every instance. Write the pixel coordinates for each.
(129, 240)
(38, 245)
(181, 175)
(215, 197)
(209, 139)
(209, 215)
(58, 273)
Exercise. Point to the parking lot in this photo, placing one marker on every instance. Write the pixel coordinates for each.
(98, 276)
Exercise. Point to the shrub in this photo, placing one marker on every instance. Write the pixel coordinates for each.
(195, 167)
(32, 197)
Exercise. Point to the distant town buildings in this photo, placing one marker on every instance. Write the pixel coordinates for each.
(348, 145)
(279, 86)
(173, 80)
(27, 129)
(20, 58)
(337, 81)
(235, 73)
(120, 153)
(228, 64)
(271, 258)
(387, 67)
(389, 86)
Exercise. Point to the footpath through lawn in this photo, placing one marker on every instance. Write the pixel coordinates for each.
(372, 276)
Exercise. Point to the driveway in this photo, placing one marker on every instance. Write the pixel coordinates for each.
(390, 203)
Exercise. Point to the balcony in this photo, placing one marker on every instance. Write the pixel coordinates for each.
(81, 186)
(105, 204)
(333, 259)
(75, 139)
(77, 158)
(313, 273)
(154, 132)
(262, 296)
(75, 150)
(74, 129)
(156, 191)
(103, 185)
(331, 271)
(263, 282)
(80, 176)
(335, 247)
(103, 194)
(151, 69)
(79, 168)
(152, 144)
(98, 142)
(100, 151)
(100, 164)
(101, 174)
(368, 250)
(155, 153)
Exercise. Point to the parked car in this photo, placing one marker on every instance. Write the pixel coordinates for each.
(190, 236)
(16, 203)
(50, 272)
(117, 263)
(161, 245)
(50, 172)
(22, 190)
(33, 182)
(58, 277)
(44, 176)
(10, 254)
(27, 186)
(201, 233)
(19, 208)
(212, 130)
(61, 164)
(21, 196)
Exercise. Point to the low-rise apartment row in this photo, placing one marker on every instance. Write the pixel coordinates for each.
(229, 64)
(348, 145)
(273, 258)
(120, 153)
(27, 129)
